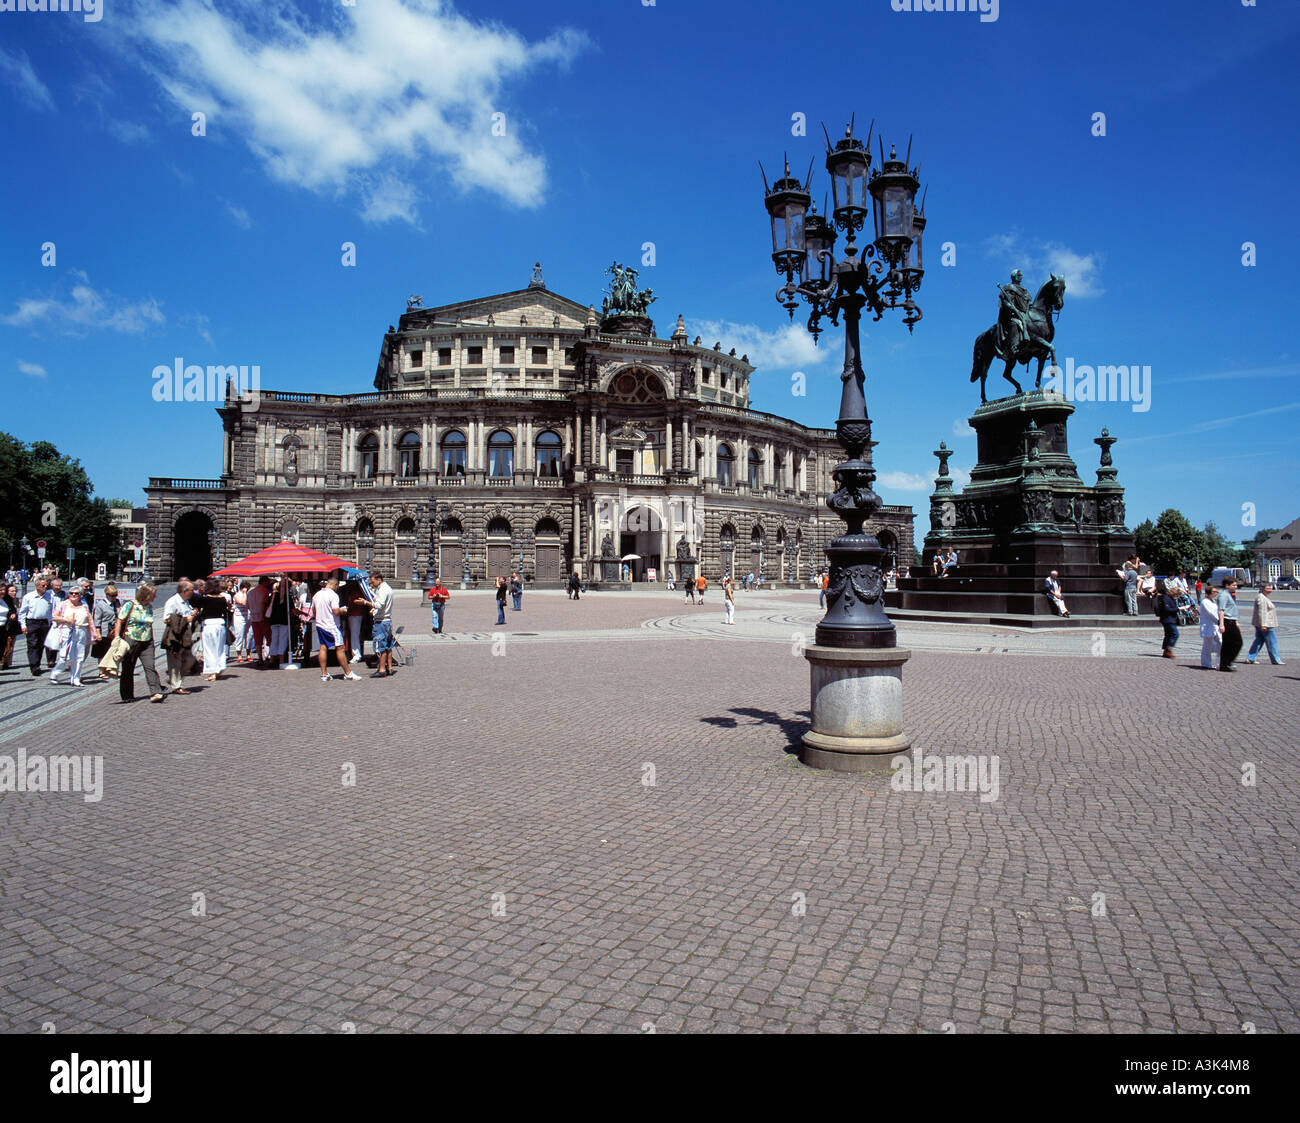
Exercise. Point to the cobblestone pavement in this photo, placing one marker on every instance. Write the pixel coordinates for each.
(503, 861)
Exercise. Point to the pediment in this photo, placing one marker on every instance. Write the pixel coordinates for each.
(526, 309)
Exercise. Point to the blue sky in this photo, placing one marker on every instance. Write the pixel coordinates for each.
(628, 123)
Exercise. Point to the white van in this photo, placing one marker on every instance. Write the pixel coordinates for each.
(1222, 573)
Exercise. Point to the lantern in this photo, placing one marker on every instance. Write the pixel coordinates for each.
(893, 189)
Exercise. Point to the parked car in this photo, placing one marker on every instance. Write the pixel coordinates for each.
(1288, 582)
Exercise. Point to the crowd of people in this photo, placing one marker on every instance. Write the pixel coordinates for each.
(207, 625)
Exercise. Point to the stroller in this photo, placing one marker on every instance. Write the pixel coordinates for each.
(1188, 613)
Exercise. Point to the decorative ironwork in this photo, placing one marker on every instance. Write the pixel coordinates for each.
(883, 276)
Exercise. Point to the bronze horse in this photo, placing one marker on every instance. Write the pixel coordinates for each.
(1038, 344)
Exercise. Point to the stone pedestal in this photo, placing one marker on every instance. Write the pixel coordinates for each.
(857, 707)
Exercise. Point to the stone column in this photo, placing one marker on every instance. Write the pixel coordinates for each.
(670, 461)
(577, 442)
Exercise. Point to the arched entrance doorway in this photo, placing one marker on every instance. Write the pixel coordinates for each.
(546, 538)
(192, 553)
(451, 551)
(404, 550)
(498, 548)
(642, 533)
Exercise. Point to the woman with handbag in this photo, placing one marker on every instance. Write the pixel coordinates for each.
(75, 616)
(135, 625)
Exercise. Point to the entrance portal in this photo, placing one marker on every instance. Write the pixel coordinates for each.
(192, 545)
(642, 533)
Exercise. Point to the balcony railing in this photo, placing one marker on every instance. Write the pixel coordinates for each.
(500, 481)
(186, 485)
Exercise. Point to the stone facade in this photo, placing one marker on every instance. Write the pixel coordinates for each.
(1279, 556)
(515, 430)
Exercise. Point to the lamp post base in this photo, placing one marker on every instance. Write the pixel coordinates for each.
(857, 707)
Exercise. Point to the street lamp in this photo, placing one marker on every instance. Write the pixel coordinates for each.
(883, 276)
(855, 663)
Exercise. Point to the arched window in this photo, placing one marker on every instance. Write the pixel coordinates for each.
(408, 455)
(549, 447)
(290, 531)
(501, 455)
(451, 528)
(547, 528)
(726, 466)
(498, 528)
(778, 470)
(368, 458)
(453, 453)
(755, 469)
(699, 457)
(406, 530)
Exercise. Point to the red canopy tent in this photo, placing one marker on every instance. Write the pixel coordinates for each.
(285, 557)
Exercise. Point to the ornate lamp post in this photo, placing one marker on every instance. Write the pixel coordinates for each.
(856, 664)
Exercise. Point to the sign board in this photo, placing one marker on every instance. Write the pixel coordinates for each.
(40, 545)
(40, 549)
(101, 572)
(136, 545)
(651, 574)
(72, 552)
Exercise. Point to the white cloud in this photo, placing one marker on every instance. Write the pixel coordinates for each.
(391, 198)
(34, 369)
(380, 89)
(786, 348)
(238, 215)
(16, 71)
(905, 481)
(86, 307)
(1082, 272)
(962, 428)
(128, 132)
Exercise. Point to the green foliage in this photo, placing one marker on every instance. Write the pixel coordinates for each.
(1171, 544)
(44, 494)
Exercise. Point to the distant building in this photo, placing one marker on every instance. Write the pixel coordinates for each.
(516, 431)
(133, 522)
(1279, 556)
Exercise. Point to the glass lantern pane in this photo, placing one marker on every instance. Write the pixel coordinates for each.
(794, 219)
(898, 213)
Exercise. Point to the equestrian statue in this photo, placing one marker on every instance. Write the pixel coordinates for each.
(1024, 331)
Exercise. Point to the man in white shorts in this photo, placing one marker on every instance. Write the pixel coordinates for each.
(325, 615)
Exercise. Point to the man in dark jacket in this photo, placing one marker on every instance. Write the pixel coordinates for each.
(501, 600)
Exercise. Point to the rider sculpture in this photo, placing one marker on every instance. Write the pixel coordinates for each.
(1024, 331)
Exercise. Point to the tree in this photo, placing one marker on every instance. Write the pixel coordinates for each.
(1218, 550)
(1172, 544)
(47, 495)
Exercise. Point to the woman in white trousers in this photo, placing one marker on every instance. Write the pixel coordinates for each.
(214, 609)
(728, 602)
(75, 616)
(1211, 629)
(241, 624)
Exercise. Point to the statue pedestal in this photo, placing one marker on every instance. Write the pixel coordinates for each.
(857, 707)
